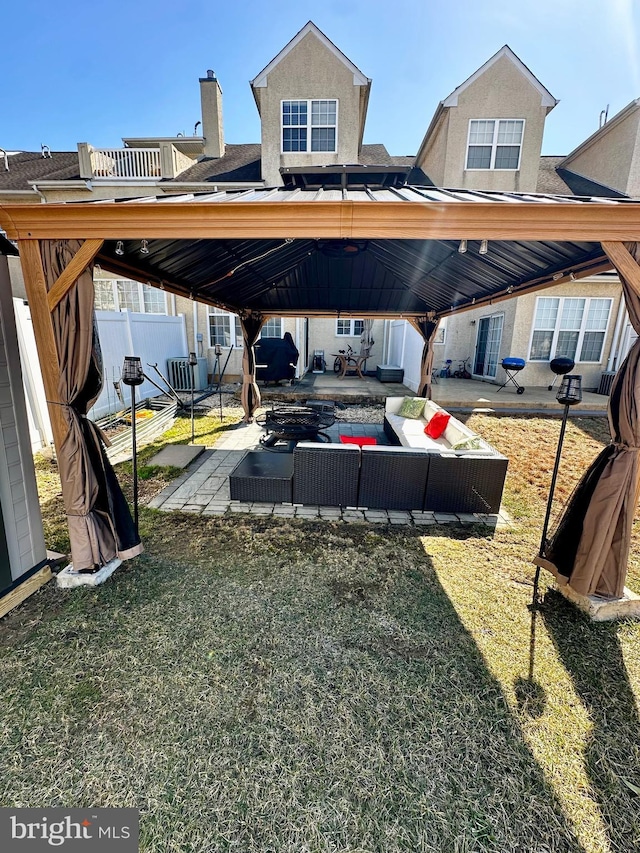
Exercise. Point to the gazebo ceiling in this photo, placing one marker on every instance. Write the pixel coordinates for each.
(365, 277)
(365, 252)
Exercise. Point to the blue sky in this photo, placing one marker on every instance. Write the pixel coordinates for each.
(94, 72)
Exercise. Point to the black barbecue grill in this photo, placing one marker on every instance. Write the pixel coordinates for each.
(513, 366)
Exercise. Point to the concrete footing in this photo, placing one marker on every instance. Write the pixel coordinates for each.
(604, 609)
(68, 578)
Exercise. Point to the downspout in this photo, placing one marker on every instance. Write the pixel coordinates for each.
(385, 341)
(41, 194)
(612, 363)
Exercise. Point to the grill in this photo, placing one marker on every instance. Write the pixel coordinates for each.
(513, 366)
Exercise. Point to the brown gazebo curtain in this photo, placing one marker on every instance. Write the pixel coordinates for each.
(100, 524)
(428, 328)
(250, 396)
(590, 546)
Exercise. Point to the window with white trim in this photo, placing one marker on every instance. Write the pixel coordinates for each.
(271, 328)
(309, 125)
(495, 143)
(119, 294)
(574, 327)
(349, 328)
(220, 325)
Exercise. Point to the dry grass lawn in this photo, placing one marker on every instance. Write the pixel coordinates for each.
(259, 685)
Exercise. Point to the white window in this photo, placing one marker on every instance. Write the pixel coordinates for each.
(220, 325)
(112, 294)
(309, 125)
(350, 328)
(441, 333)
(495, 143)
(105, 298)
(128, 295)
(272, 328)
(571, 327)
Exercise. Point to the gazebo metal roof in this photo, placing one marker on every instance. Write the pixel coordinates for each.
(351, 251)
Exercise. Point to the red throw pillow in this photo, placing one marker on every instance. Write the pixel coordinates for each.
(357, 439)
(437, 424)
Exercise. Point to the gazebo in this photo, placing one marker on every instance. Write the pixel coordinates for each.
(358, 251)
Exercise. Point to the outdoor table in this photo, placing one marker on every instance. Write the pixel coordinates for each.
(262, 476)
(350, 364)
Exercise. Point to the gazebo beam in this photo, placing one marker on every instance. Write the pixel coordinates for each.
(428, 220)
(81, 260)
(624, 263)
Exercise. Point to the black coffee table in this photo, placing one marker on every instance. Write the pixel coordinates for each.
(262, 476)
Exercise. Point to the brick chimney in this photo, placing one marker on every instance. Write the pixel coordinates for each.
(212, 130)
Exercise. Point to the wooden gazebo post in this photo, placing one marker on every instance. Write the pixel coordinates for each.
(41, 304)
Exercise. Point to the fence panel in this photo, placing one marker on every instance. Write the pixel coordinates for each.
(152, 337)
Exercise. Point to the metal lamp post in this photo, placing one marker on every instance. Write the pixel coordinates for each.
(193, 360)
(132, 375)
(569, 394)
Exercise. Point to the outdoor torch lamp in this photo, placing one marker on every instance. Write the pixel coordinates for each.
(133, 375)
(569, 394)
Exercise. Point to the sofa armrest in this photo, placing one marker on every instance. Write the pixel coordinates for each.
(392, 405)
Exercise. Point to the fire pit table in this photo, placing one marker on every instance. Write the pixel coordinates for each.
(291, 424)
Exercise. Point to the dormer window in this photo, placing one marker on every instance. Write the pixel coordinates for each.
(309, 125)
(495, 143)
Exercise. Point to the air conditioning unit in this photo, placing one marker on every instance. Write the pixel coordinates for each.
(606, 381)
(179, 374)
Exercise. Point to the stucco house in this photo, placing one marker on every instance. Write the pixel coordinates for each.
(487, 135)
(312, 101)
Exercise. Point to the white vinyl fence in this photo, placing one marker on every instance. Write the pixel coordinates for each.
(405, 350)
(152, 337)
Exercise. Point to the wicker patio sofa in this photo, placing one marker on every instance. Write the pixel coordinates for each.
(415, 472)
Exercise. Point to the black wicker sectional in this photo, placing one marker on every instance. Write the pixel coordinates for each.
(435, 477)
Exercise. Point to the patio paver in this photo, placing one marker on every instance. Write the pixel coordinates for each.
(204, 487)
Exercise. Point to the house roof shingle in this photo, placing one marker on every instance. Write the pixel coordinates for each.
(239, 163)
(31, 166)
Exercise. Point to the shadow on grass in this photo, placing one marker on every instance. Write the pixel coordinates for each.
(592, 655)
(295, 683)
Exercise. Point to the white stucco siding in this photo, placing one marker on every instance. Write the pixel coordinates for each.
(309, 71)
(501, 92)
(614, 157)
(434, 159)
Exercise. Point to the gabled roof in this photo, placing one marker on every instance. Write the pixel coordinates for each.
(547, 98)
(608, 126)
(552, 178)
(359, 79)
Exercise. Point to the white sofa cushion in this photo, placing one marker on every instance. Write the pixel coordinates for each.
(410, 431)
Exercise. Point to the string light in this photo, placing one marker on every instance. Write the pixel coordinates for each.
(144, 248)
(462, 248)
(119, 248)
(484, 247)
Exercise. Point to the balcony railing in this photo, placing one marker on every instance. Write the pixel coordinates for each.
(126, 163)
